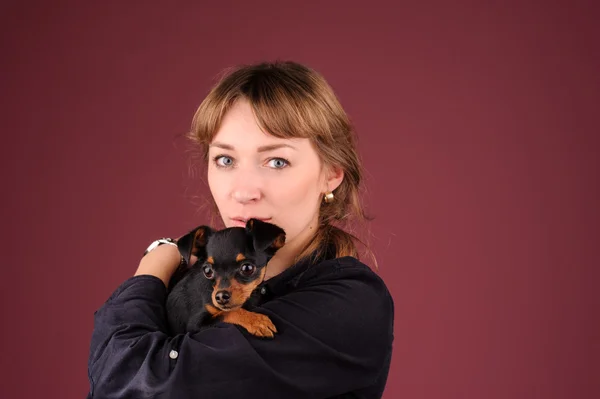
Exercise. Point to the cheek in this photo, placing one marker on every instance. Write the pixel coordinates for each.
(296, 201)
(217, 184)
(296, 192)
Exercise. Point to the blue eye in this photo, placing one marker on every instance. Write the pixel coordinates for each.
(278, 163)
(223, 161)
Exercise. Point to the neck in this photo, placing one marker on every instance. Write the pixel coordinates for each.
(284, 257)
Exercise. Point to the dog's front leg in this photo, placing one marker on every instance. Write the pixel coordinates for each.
(255, 323)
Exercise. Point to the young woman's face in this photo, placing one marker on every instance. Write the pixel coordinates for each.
(252, 174)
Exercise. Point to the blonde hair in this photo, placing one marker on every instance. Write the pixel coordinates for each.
(291, 100)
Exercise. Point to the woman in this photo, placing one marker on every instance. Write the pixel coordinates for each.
(279, 147)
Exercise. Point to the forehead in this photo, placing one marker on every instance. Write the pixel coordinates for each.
(239, 129)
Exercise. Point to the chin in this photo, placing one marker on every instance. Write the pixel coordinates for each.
(228, 308)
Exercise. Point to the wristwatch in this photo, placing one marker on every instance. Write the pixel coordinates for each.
(158, 242)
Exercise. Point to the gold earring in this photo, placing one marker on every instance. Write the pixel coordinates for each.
(328, 197)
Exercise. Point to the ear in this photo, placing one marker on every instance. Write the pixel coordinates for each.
(194, 243)
(266, 237)
(334, 175)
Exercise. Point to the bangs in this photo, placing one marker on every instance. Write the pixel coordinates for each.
(288, 102)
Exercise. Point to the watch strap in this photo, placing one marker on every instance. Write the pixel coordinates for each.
(160, 241)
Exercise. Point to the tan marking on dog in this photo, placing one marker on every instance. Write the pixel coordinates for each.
(279, 241)
(215, 290)
(199, 240)
(200, 237)
(255, 323)
(239, 292)
(210, 260)
(212, 310)
(240, 257)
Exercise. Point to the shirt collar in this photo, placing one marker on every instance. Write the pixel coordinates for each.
(290, 277)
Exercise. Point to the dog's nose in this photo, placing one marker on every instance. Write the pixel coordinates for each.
(223, 297)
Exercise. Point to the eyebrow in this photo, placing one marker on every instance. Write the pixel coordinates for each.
(263, 148)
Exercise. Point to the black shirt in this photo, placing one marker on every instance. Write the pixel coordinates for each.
(335, 331)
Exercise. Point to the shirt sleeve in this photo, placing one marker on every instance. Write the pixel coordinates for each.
(334, 335)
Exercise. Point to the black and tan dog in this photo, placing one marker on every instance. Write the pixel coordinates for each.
(231, 264)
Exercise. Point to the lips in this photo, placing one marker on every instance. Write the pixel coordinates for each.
(241, 221)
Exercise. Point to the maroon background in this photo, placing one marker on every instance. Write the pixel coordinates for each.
(478, 127)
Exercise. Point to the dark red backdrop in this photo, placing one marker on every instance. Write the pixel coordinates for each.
(478, 128)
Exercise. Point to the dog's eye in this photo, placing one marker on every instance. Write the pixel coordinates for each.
(247, 269)
(208, 271)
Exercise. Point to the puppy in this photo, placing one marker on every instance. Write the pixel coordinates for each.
(231, 264)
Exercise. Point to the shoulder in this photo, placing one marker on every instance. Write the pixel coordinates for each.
(349, 307)
(347, 269)
(353, 289)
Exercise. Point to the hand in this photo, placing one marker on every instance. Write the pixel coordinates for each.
(160, 262)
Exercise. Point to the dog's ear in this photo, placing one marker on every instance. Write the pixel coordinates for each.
(194, 243)
(266, 237)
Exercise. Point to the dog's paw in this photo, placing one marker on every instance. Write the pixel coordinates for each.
(261, 326)
(255, 323)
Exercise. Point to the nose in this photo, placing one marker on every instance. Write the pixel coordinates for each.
(223, 297)
(246, 194)
(246, 185)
